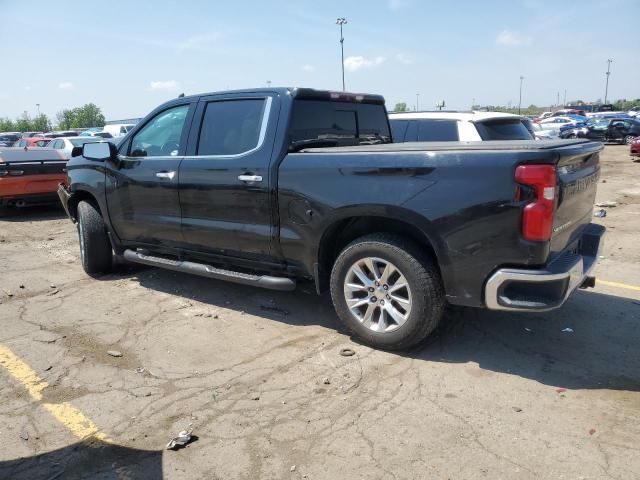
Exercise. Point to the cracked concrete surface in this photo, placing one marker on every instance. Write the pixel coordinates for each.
(259, 377)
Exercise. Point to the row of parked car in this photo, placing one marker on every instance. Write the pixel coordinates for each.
(42, 139)
(55, 148)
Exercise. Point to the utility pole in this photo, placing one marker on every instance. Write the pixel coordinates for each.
(473, 102)
(606, 88)
(342, 21)
(417, 102)
(520, 100)
(38, 108)
(564, 103)
(558, 100)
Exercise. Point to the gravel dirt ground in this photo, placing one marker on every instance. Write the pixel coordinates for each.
(259, 376)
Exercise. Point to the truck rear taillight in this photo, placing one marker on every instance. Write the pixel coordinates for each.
(537, 217)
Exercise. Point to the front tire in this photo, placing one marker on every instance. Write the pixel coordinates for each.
(95, 249)
(387, 291)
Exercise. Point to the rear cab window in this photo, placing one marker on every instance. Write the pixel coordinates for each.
(327, 123)
(503, 129)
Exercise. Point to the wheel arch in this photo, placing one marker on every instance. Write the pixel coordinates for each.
(342, 230)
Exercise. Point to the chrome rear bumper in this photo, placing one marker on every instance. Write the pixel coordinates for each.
(545, 289)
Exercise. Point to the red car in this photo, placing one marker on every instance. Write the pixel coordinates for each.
(571, 111)
(635, 147)
(32, 142)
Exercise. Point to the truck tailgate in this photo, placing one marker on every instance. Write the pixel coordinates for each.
(577, 176)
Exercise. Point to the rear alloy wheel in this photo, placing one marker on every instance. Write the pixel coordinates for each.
(387, 291)
(628, 139)
(95, 248)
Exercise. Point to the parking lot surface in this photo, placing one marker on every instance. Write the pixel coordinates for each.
(259, 377)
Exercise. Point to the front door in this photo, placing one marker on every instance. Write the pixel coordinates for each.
(142, 186)
(225, 182)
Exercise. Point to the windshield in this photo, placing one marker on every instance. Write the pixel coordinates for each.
(78, 142)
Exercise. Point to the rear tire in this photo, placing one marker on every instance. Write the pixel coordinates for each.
(95, 249)
(628, 139)
(375, 307)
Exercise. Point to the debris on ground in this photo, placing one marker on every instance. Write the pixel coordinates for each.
(561, 390)
(24, 435)
(326, 381)
(592, 431)
(607, 204)
(273, 308)
(600, 213)
(528, 330)
(347, 352)
(293, 468)
(517, 409)
(114, 353)
(183, 438)
(21, 286)
(53, 292)
(567, 330)
(255, 396)
(140, 370)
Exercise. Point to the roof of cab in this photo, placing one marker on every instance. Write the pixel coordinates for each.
(296, 92)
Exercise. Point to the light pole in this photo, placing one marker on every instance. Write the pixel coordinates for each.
(564, 102)
(473, 102)
(417, 102)
(520, 99)
(268, 83)
(342, 21)
(38, 108)
(606, 88)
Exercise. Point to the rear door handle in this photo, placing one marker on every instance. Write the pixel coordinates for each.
(250, 178)
(167, 175)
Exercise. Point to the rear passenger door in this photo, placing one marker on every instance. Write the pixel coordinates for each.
(224, 179)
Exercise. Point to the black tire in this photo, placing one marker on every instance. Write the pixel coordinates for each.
(95, 249)
(427, 294)
(628, 139)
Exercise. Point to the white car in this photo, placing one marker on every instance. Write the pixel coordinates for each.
(554, 123)
(118, 129)
(65, 144)
(457, 127)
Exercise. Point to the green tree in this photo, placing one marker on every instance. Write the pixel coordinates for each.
(7, 125)
(88, 115)
(400, 107)
(41, 123)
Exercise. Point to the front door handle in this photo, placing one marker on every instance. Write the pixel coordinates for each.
(167, 175)
(250, 178)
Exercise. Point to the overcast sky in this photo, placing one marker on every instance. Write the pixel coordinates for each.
(127, 57)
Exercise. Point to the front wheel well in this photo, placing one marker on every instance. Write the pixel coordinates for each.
(76, 198)
(344, 231)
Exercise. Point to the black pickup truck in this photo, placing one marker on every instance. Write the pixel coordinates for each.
(269, 187)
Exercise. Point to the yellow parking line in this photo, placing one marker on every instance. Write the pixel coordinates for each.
(619, 285)
(65, 413)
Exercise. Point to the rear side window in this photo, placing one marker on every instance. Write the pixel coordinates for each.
(231, 127)
(398, 129)
(338, 123)
(437, 131)
(503, 130)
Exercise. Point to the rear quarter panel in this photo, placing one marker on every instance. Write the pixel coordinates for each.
(463, 202)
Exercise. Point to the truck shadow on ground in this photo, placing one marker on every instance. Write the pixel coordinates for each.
(86, 459)
(600, 351)
(32, 213)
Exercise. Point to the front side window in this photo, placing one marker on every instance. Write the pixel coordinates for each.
(161, 136)
(231, 127)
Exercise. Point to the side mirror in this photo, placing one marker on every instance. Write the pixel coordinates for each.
(99, 151)
(76, 151)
